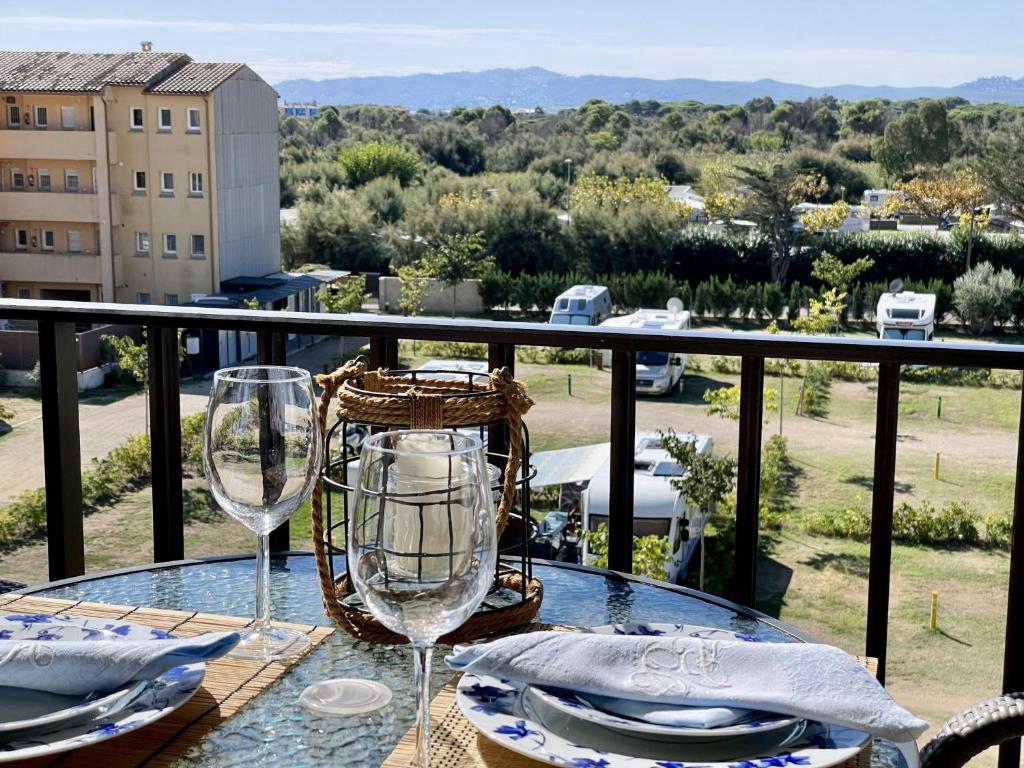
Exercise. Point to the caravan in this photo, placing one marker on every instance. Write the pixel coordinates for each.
(657, 373)
(905, 315)
(658, 508)
(582, 305)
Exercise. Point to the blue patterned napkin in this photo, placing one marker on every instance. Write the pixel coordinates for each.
(817, 682)
(79, 667)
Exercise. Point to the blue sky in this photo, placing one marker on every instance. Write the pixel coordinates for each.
(816, 42)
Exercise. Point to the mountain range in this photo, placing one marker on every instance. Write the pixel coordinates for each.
(520, 89)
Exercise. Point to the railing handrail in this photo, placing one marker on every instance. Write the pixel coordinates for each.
(724, 343)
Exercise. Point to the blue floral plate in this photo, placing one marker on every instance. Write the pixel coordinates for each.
(505, 712)
(584, 708)
(137, 706)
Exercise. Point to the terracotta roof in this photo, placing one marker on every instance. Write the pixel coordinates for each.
(83, 72)
(196, 77)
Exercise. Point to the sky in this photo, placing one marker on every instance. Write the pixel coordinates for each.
(812, 42)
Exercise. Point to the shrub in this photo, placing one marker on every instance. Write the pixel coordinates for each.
(982, 296)
(999, 530)
(495, 288)
(840, 524)
(778, 480)
(363, 163)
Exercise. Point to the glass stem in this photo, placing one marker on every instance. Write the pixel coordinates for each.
(422, 653)
(262, 582)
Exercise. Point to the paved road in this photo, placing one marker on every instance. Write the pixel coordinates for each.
(106, 419)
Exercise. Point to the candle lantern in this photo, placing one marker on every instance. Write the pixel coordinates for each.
(491, 405)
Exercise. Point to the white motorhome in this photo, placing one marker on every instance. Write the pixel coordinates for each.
(658, 508)
(906, 315)
(582, 305)
(657, 373)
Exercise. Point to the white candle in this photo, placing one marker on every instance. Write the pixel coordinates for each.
(421, 475)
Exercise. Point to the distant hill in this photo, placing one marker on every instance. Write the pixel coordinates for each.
(536, 87)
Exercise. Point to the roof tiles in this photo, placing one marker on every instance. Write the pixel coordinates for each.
(196, 77)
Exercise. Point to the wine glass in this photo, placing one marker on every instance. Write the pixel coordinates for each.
(422, 543)
(261, 453)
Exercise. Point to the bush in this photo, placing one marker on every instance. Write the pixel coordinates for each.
(363, 163)
(999, 530)
(983, 296)
(955, 525)
(778, 478)
(839, 524)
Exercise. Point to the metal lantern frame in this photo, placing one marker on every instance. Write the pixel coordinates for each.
(338, 479)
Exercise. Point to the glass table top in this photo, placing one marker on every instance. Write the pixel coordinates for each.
(274, 730)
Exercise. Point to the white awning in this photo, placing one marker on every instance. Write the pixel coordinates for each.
(569, 465)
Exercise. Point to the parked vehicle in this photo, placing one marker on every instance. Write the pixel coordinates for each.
(905, 315)
(658, 508)
(657, 373)
(582, 305)
(451, 370)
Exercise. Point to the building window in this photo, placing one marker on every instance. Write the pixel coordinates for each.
(44, 180)
(71, 181)
(198, 246)
(41, 117)
(167, 182)
(171, 299)
(165, 118)
(144, 298)
(170, 244)
(24, 293)
(140, 181)
(13, 116)
(67, 118)
(21, 239)
(136, 119)
(193, 120)
(195, 183)
(74, 241)
(142, 242)
(47, 239)
(17, 178)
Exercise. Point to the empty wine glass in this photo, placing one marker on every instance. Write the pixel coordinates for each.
(422, 542)
(261, 453)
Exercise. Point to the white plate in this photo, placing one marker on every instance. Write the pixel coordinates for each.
(24, 712)
(502, 713)
(581, 707)
(157, 698)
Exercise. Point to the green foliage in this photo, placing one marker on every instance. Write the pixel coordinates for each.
(835, 274)
(984, 296)
(384, 197)
(349, 297)
(131, 356)
(724, 402)
(708, 479)
(650, 553)
(455, 259)
(363, 163)
(778, 476)
(340, 232)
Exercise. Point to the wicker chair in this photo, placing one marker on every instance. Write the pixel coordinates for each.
(974, 730)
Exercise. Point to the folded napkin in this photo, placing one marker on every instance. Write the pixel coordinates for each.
(817, 682)
(79, 667)
(677, 717)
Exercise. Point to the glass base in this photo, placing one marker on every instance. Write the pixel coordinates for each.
(269, 644)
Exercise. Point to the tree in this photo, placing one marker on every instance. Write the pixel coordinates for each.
(348, 298)
(363, 163)
(937, 196)
(833, 272)
(133, 358)
(1003, 172)
(982, 296)
(825, 219)
(922, 136)
(414, 289)
(455, 259)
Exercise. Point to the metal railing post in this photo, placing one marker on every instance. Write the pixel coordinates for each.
(165, 444)
(62, 456)
(383, 352)
(748, 480)
(1013, 663)
(620, 480)
(883, 488)
(272, 349)
(499, 356)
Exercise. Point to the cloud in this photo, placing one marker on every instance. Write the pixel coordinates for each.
(404, 32)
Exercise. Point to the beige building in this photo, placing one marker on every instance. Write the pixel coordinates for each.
(140, 177)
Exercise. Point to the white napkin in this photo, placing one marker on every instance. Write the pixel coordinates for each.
(677, 717)
(818, 682)
(79, 667)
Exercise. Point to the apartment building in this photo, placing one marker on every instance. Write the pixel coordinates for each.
(140, 177)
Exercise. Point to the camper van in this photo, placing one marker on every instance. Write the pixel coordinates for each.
(658, 508)
(905, 315)
(582, 305)
(657, 373)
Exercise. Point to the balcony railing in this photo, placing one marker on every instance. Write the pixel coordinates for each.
(63, 466)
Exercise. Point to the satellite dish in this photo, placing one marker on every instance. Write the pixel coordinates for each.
(674, 305)
(896, 286)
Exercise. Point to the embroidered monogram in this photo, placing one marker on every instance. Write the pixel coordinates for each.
(665, 670)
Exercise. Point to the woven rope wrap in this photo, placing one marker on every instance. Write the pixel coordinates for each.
(427, 404)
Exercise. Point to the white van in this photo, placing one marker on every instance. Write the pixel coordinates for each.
(657, 373)
(658, 508)
(906, 315)
(582, 305)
